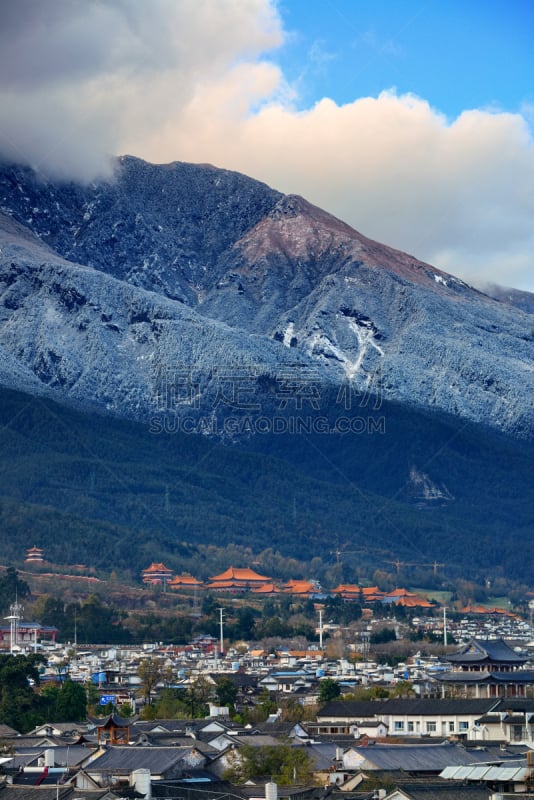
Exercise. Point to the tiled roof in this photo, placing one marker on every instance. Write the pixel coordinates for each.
(478, 650)
(358, 710)
(299, 587)
(418, 758)
(267, 588)
(122, 760)
(157, 568)
(184, 580)
(25, 792)
(443, 791)
(240, 574)
(347, 587)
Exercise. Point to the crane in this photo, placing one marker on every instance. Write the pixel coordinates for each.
(398, 564)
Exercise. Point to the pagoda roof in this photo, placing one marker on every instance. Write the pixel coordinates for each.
(486, 651)
(226, 585)
(184, 580)
(239, 574)
(371, 590)
(267, 588)
(157, 568)
(299, 587)
(414, 601)
(112, 721)
(400, 593)
(347, 587)
(470, 609)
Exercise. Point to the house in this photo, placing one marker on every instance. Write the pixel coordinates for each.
(288, 682)
(434, 718)
(406, 717)
(341, 716)
(28, 634)
(37, 764)
(67, 730)
(113, 765)
(416, 760)
(52, 792)
(510, 719)
(6, 731)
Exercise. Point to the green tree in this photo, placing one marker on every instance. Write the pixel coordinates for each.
(93, 699)
(226, 692)
(286, 765)
(11, 588)
(265, 705)
(173, 704)
(72, 702)
(94, 621)
(20, 706)
(329, 689)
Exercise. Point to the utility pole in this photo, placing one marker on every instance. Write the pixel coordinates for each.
(445, 626)
(221, 625)
(16, 614)
(321, 628)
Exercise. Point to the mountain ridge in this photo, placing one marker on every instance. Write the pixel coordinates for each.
(194, 248)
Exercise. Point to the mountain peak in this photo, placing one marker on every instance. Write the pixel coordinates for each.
(104, 287)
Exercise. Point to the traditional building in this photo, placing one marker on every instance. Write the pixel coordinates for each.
(113, 730)
(266, 589)
(237, 580)
(34, 555)
(371, 594)
(486, 668)
(402, 597)
(27, 634)
(182, 583)
(348, 591)
(301, 588)
(157, 574)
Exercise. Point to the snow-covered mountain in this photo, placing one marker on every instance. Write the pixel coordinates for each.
(211, 286)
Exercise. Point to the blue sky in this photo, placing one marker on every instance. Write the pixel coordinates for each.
(412, 121)
(456, 55)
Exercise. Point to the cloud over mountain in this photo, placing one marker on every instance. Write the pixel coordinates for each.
(192, 81)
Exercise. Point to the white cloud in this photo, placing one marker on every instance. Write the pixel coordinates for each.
(189, 80)
(457, 194)
(77, 76)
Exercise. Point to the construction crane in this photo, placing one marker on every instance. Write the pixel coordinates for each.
(398, 564)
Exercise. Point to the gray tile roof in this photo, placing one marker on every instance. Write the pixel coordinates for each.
(420, 758)
(440, 791)
(495, 650)
(379, 708)
(123, 760)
